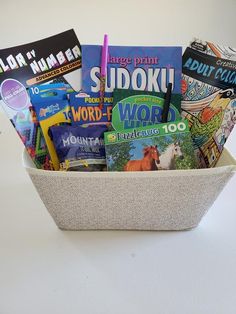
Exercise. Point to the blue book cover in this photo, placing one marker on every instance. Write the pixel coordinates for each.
(138, 68)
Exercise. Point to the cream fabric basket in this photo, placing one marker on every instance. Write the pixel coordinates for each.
(155, 200)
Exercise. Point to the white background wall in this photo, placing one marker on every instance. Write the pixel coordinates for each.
(128, 22)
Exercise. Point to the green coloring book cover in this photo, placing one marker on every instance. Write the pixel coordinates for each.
(162, 146)
(133, 109)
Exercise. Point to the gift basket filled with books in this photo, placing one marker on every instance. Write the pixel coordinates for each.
(121, 137)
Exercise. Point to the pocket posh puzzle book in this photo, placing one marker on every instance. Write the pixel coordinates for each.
(157, 147)
(138, 68)
(85, 109)
(209, 97)
(133, 109)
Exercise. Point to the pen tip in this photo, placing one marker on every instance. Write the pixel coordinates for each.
(105, 42)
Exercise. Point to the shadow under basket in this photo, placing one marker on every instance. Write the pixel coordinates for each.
(150, 200)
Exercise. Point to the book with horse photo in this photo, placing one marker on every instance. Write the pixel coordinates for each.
(165, 146)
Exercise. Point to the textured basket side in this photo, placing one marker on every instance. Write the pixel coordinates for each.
(226, 159)
(134, 201)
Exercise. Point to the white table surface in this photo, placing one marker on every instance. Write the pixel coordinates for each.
(46, 271)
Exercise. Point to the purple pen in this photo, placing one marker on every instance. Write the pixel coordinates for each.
(103, 70)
